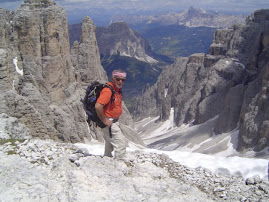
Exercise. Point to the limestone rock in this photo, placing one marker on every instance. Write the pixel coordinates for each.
(37, 70)
(231, 82)
(41, 82)
(42, 30)
(85, 55)
(10, 128)
(53, 171)
(118, 38)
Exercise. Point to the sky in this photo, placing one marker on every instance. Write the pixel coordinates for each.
(244, 6)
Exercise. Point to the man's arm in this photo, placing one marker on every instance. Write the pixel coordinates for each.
(100, 112)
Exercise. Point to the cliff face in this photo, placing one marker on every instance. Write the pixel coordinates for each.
(118, 38)
(41, 82)
(44, 47)
(231, 82)
(85, 55)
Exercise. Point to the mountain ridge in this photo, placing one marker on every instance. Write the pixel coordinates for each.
(221, 83)
(190, 18)
(118, 38)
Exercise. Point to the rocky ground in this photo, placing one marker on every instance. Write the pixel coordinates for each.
(49, 171)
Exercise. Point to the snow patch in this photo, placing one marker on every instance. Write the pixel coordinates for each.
(147, 58)
(247, 167)
(165, 127)
(225, 158)
(165, 92)
(152, 120)
(233, 140)
(19, 71)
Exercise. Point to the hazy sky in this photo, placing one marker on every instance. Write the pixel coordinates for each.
(245, 6)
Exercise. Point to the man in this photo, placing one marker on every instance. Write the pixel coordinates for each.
(109, 113)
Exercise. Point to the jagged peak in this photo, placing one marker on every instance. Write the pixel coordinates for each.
(258, 16)
(88, 28)
(87, 19)
(192, 8)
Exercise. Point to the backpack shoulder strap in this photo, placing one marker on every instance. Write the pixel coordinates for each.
(112, 90)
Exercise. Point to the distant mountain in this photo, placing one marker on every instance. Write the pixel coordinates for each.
(178, 34)
(103, 16)
(176, 40)
(118, 38)
(190, 18)
(174, 34)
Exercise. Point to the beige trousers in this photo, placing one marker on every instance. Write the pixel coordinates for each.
(117, 142)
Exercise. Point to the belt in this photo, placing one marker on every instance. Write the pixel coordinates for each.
(113, 120)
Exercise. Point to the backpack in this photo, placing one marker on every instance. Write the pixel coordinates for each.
(91, 96)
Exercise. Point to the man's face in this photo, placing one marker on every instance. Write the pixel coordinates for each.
(118, 82)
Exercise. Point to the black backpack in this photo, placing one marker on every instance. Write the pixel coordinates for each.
(91, 96)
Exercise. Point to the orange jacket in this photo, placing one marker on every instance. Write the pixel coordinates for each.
(114, 109)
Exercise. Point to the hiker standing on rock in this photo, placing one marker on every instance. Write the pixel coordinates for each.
(109, 113)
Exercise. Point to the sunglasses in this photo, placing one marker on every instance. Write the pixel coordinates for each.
(118, 79)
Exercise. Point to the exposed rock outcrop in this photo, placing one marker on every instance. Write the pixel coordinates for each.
(52, 171)
(118, 38)
(41, 82)
(231, 82)
(85, 55)
(39, 76)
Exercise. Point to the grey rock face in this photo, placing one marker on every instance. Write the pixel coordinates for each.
(39, 78)
(10, 128)
(85, 55)
(53, 171)
(41, 82)
(118, 38)
(231, 82)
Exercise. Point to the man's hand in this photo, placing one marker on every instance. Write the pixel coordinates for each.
(100, 112)
(108, 122)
